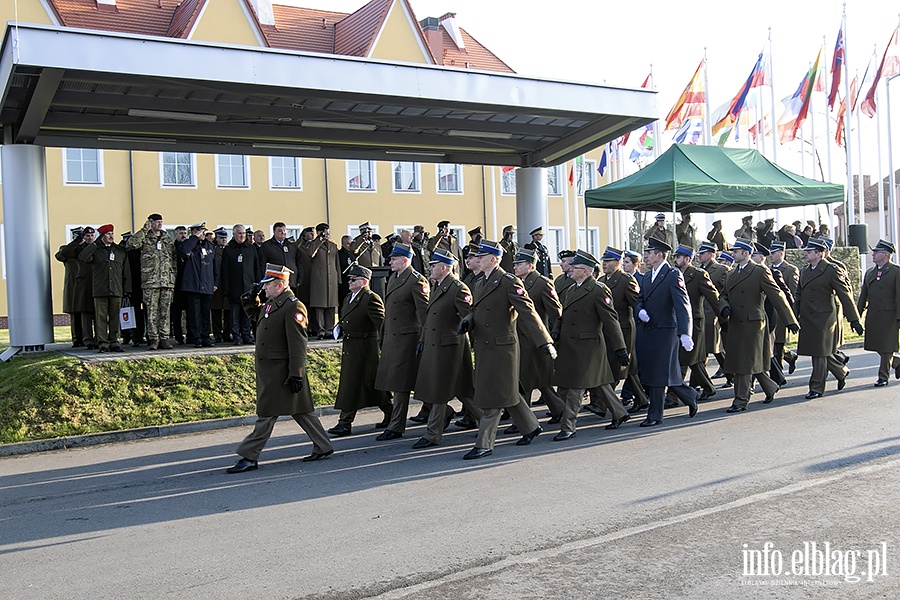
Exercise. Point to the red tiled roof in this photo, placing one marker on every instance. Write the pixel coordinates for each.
(870, 194)
(303, 29)
(144, 17)
(353, 35)
(184, 18)
(475, 56)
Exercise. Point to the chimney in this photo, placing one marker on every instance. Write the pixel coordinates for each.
(867, 181)
(264, 13)
(434, 37)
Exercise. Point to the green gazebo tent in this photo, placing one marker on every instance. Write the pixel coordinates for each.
(700, 179)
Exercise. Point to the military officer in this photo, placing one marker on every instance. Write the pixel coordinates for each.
(821, 284)
(748, 351)
(406, 302)
(660, 232)
(535, 366)
(540, 250)
(472, 269)
(563, 280)
(587, 324)
(361, 319)
(839, 332)
(716, 237)
(879, 296)
(685, 231)
(82, 294)
(491, 322)
(110, 280)
(624, 289)
(445, 239)
(706, 257)
(445, 358)
(70, 263)
(759, 256)
(475, 236)
(364, 249)
(701, 292)
(324, 276)
(746, 231)
(510, 248)
(791, 277)
(282, 387)
(664, 312)
(158, 266)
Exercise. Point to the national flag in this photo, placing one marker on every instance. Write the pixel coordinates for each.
(842, 111)
(757, 78)
(571, 175)
(890, 66)
(691, 102)
(604, 162)
(643, 86)
(646, 138)
(797, 106)
(837, 63)
(690, 132)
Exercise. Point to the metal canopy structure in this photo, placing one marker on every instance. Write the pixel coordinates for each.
(87, 89)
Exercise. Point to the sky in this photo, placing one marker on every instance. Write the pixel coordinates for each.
(616, 43)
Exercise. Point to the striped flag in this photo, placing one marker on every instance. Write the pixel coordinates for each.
(890, 66)
(758, 76)
(627, 135)
(797, 106)
(842, 112)
(691, 102)
(837, 63)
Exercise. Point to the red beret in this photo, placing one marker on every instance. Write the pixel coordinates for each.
(104, 229)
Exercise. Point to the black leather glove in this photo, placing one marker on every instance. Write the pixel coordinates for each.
(622, 355)
(793, 328)
(420, 347)
(857, 327)
(464, 326)
(295, 383)
(724, 326)
(554, 335)
(726, 312)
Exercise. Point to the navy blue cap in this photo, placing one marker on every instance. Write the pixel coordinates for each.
(401, 250)
(725, 257)
(487, 247)
(441, 256)
(611, 254)
(775, 246)
(743, 244)
(828, 241)
(634, 256)
(685, 251)
(706, 247)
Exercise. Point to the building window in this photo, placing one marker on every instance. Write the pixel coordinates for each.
(449, 178)
(232, 171)
(593, 240)
(284, 173)
(83, 166)
(406, 177)
(508, 181)
(361, 175)
(586, 179)
(177, 169)
(555, 241)
(554, 180)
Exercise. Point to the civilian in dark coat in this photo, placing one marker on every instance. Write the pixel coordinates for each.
(345, 259)
(201, 272)
(240, 270)
(134, 336)
(179, 304)
(279, 251)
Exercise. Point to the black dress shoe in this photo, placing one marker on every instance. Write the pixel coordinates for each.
(242, 466)
(116, 348)
(735, 409)
(387, 434)
(649, 423)
(769, 399)
(466, 424)
(340, 431)
(719, 374)
(207, 343)
(791, 360)
(845, 358)
(692, 409)
(881, 383)
(595, 409)
(706, 396)
(511, 430)
(563, 436)
(616, 423)
(102, 349)
(638, 408)
(418, 418)
(813, 395)
(526, 439)
(671, 404)
(896, 371)
(554, 420)
(317, 456)
(627, 401)
(423, 443)
(842, 383)
(477, 453)
(504, 416)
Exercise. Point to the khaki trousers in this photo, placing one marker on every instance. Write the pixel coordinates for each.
(253, 444)
(347, 416)
(522, 418)
(821, 366)
(742, 387)
(106, 311)
(399, 413)
(889, 361)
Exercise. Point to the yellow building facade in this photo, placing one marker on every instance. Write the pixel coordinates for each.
(92, 187)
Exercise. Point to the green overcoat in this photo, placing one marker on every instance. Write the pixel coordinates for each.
(818, 294)
(880, 298)
(360, 322)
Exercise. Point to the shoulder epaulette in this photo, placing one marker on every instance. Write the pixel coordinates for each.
(416, 273)
(509, 275)
(293, 299)
(458, 283)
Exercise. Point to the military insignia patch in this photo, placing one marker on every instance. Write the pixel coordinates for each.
(553, 292)
(607, 299)
(467, 299)
(681, 283)
(298, 317)
(520, 291)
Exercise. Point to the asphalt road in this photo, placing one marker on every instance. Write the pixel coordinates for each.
(671, 512)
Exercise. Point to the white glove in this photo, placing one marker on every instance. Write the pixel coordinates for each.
(686, 342)
(643, 316)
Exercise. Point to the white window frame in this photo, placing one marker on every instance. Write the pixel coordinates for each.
(65, 164)
(281, 188)
(373, 175)
(592, 244)
(507, 182)
(554, 238)
(560, 179)
(162, 175)
(437, 178)
(353, 230)
(417, 176)
(246, 165)
(583, 183)
(460, 232)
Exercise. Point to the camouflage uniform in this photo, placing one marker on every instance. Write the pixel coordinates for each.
(157, 280)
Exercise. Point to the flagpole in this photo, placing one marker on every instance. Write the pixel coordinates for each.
(706, 118)
(893, 184)
(772, 93)
(848, 212)
(881, 206)
(827, 117)
(860, 192)
(566, 216)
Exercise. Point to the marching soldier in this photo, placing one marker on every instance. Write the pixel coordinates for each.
(587, 323)
(361, 319)
(282, 387)
(839, 333)
(491, 322)
(364, 249)
(748, 352)
(880, 298)
(510, 248)
(701, 292)
(706, 256)
(406, 301)
(563, 281)
(664, 312)
(821, 284)
(540, 250)
(475, 236)
(158, 267)
(445, 359)
(760, 253)
(536, 367)
(791, 277)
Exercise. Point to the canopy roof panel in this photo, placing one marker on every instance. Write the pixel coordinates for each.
(77, 88)
(712, 179)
